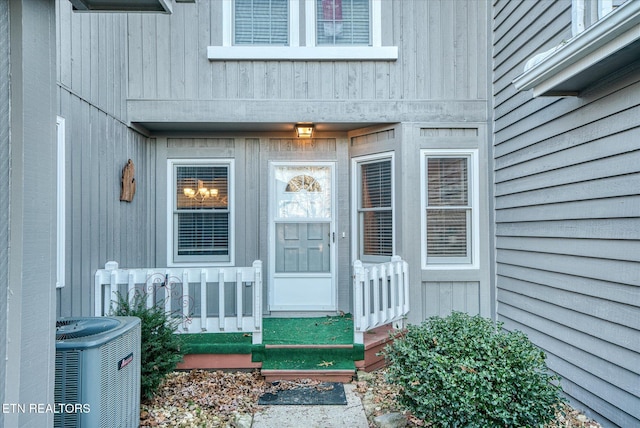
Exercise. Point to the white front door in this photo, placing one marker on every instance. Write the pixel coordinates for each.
(301, 235)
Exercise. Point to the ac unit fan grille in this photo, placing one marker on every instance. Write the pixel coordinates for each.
(67, 329)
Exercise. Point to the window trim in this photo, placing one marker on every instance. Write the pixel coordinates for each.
(376, 25)
(227, 26)
(549, 71)
(294, 51)
(172, 165)
(356, 238)
(61, 217)
(579, 16)
(474, 199)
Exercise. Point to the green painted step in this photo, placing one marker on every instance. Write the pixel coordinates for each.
(335, 330)
(217, 343)
(306, 358)
(318, 343)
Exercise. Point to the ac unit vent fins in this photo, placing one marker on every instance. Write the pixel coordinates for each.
(74, 328)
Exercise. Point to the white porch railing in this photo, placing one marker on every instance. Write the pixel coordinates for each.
(212, 300)
(381, 295)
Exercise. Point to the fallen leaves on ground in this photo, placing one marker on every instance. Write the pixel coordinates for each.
(380, 397)
(285, 385)
(211, 399)
(203, 398)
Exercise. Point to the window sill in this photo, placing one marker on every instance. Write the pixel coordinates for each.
(329, 53)
(451, 267)
(603, 48)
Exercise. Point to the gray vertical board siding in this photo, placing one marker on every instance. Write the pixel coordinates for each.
(441, 56)
(100, 227)
(92, 75)
(92, 57)
(342, 225)
(442, 298)
(432, 291)
(251, 189)
(445, 290)
(567, 216)
(201, 148)
(28, 359)
(5, 191)
(252, 182)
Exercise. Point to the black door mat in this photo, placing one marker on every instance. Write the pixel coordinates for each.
(328, 393)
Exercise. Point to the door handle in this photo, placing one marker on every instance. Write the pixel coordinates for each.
(332, 238)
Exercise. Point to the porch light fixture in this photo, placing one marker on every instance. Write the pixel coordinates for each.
(304, 130)
(201, 194)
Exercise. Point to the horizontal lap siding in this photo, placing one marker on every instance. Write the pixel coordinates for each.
(567, 211)
(442, 55)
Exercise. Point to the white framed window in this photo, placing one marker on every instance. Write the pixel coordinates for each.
(261, 22)
(61, 203)
(449, 202)
(342, 22)
(600, 30)
(373, 187)
(355, 27)
(585, 13)
(201, 212)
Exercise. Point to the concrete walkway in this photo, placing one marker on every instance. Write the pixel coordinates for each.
(352, 415)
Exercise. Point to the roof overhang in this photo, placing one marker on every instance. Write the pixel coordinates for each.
(594, 54)
(264, 115)
(157, 6)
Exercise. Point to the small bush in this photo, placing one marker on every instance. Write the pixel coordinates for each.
(160, 348)
(463, 371)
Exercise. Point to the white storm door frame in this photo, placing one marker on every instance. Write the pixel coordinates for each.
(309, 305)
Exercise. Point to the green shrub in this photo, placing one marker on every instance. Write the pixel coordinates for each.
(160, 348)
(463, 371)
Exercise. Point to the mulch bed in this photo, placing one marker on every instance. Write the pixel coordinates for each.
(217, 399)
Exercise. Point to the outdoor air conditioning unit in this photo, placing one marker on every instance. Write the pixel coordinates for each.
(97, 372)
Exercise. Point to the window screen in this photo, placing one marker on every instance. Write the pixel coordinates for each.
(448, 213)
(261, 22)
(375, 210)
(343, 22)
(201, 215)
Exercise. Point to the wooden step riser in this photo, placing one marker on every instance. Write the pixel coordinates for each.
(342, 376)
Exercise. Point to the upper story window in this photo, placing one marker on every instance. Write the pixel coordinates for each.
(261, 22)
(585, 13)
(605, 40)
(302, 29)
(343, 22)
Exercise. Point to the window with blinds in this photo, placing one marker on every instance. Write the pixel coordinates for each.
(448, 209)
(201, 213)
(375, 211)
(261, 22)
(343, 22)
